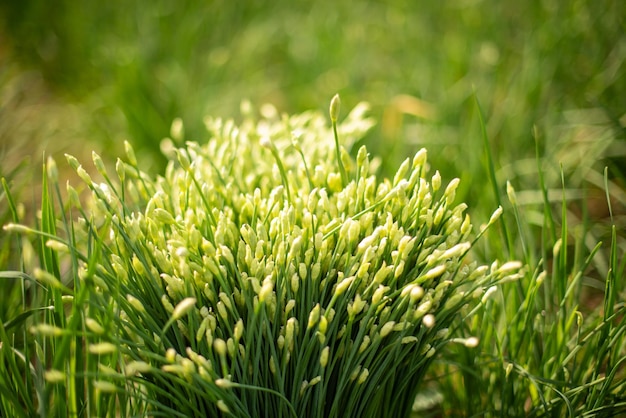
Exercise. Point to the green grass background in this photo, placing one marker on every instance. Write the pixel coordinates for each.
(550, 77)
(128, 68)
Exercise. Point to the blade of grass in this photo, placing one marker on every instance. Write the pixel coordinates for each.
(492, 175)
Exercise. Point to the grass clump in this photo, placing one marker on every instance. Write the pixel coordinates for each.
(556, 343)
(266, 273)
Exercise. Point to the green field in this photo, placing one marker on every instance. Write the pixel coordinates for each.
(524, 102)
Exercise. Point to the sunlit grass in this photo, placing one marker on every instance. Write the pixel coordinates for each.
(549, 77)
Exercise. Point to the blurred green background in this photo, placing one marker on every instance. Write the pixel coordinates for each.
(83, 75)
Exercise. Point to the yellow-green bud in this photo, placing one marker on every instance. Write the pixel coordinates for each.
(72, 161)
(170, 355)
(314, 316)
(130, 153)
(93, 326)
(103, 386)
(378, 294)
(436, 181)
(135, 367)
(387, 328)
(120, 169)
(432, 273)
(223, 383)
(364, 344)
(510, 192)
(362, 376)
(47, 330)
(98, 163)
(84, 175)
(221, 405)
(47, 278)
(177, 130)
(266, 289)
(496, 215)
(324, 357)
(102, 348)
(343, 285)
(57, 246)
(182, 308)
(238, 331)
(135, 303)
(54, 376)
(219, 346)
(53, 172)
(335, 103)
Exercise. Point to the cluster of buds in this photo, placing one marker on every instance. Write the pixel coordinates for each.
(282, 274)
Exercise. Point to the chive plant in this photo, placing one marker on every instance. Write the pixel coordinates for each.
(267, 273)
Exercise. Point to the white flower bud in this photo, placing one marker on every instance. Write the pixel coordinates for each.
(134, 367)
(46, 278)
(557, 248)
(335, 103)
(436, 181)
(223, 383)
(99, 164)
(221, 405)
(102, 348)
(509, 267)
(238, 331)
(57, 246)
(431, 274)
(510, 191)
(103, 386)
(471, 342)
(163, 216)
(84, 175)
(47, 330)
(451, 190)
(53, 171)
(266, 142)
(54, 376)
(420, 158)
(182, 308)
(219, 345)
(488, 294)
(93, 326)
(266, 289)
(496, 215)
(416, 293)
(428, 320)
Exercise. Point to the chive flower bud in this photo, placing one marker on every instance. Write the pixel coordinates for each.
(335, 103)
(324, 357)
(130, 153)
(182, 308)
(104, 386)
(94, 326)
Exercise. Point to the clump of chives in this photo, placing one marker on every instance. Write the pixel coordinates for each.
(261, 278)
